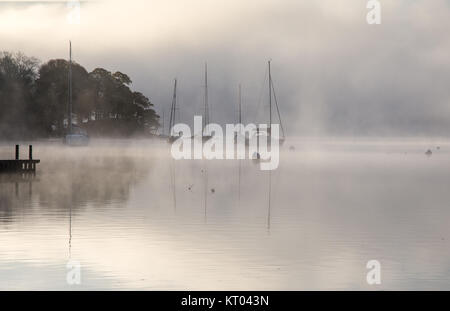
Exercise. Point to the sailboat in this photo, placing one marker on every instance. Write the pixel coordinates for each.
(237, 135)
(76, 135)
(272, 99)
(205, 111)
(173, 136)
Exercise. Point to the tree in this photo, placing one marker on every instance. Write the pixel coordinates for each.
(144, 111)
(17, 86)
(122, 78)
(52, 94)
(34, 100)
(114, 100)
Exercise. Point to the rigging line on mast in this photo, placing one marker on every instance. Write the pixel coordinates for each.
(173, 108)
(170, 119)
(174, 102)
(177, 108)
(261, 92)
(278, 110)
(162, 123)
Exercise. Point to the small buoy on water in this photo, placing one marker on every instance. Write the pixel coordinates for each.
(429, 153)
(213, 190)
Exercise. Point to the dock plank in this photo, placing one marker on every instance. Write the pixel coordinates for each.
(18, 165)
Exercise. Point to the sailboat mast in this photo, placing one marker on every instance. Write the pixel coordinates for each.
(206, 118)
(240, 104)
(270, 99)
(70, 87)
(174, 102)
(173, 108)
(162, 123)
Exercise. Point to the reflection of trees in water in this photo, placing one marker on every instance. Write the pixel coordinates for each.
(11, 185)
(6, 204)
(72, 183)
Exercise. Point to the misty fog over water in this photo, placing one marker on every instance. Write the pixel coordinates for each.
(364, 173)
(136, 219)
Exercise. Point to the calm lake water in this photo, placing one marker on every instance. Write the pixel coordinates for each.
(136, 219)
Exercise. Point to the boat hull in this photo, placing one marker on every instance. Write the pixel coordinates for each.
(76, 140)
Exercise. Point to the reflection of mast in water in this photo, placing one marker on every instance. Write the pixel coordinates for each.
(270, 193)
(173, 181)
(70, 214)
(205, 171)
(70, 230)
(239, 184)
(240, 161)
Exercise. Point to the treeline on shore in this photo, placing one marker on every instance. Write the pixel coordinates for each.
(34, 100)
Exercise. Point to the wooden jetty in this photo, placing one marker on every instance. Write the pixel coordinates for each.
(19, 166)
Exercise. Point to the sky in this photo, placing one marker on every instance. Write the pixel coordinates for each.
(334, 74)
